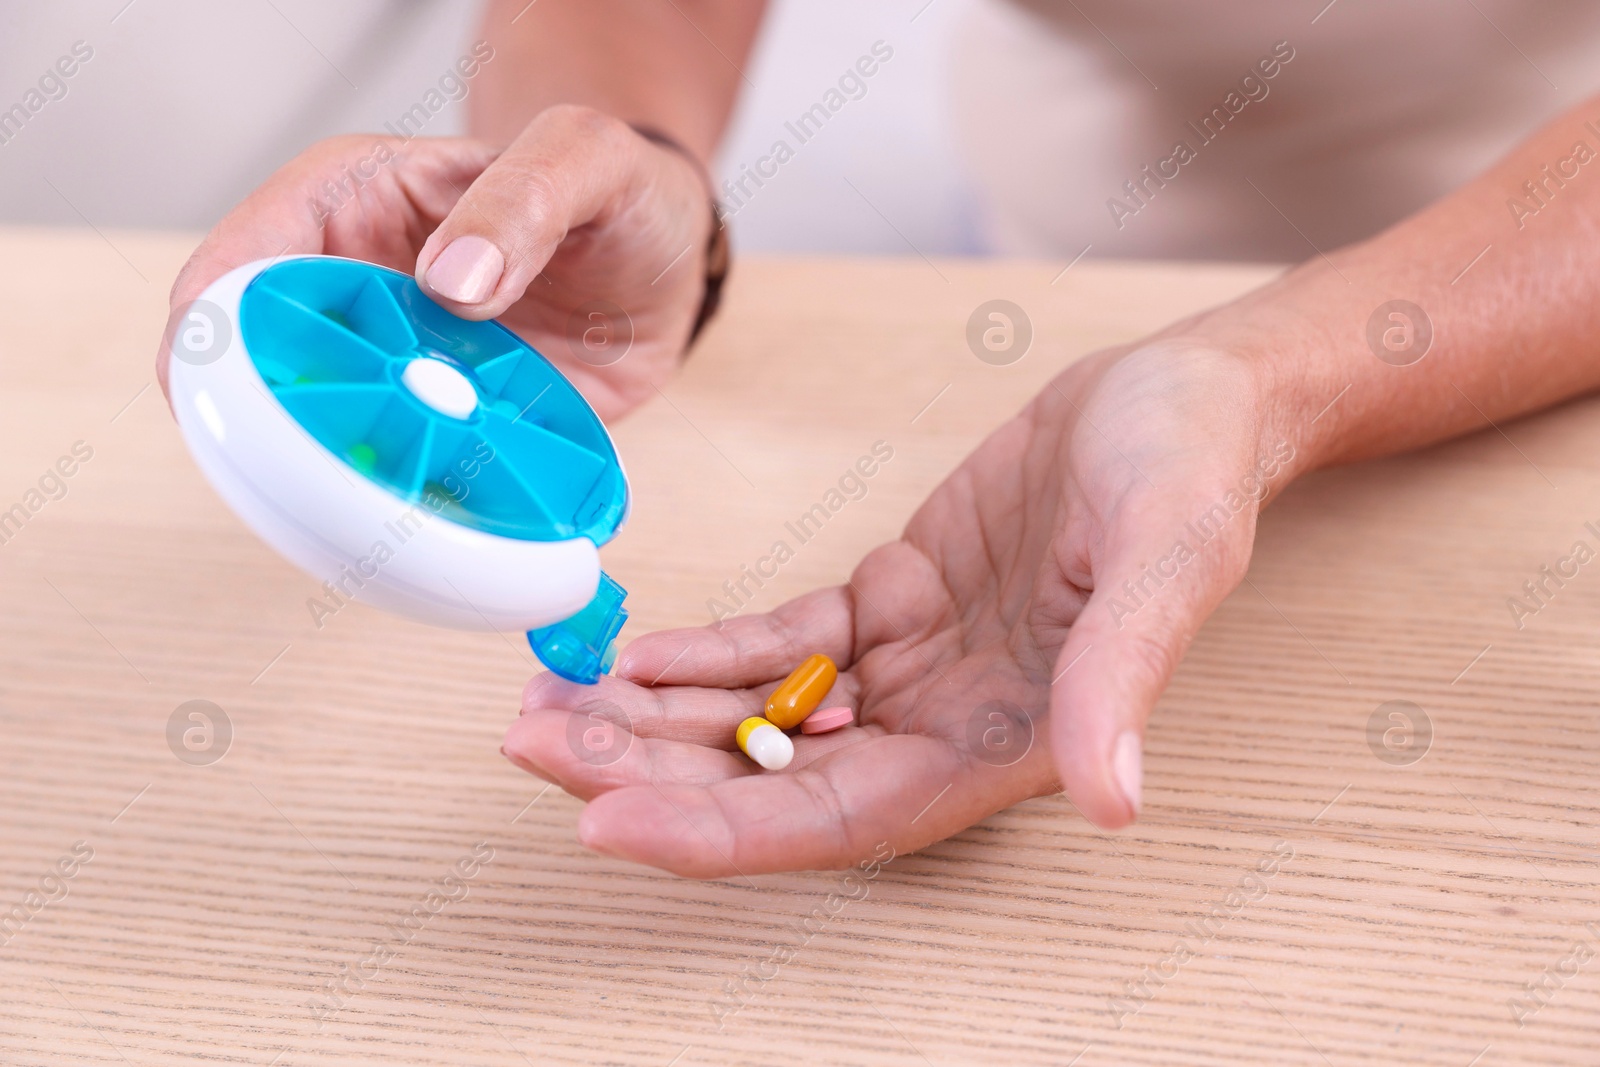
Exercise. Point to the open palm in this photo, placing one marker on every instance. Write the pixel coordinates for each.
(992, 652)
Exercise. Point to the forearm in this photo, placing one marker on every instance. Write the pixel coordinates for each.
(1514, 331)
(672, 66)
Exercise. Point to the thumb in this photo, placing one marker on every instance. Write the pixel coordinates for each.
(570, 167)
(1163, 575)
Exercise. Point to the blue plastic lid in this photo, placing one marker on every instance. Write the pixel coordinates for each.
(415, 399)
(334, 338)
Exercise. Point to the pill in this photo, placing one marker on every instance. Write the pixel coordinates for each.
(765, 743)
(363, 458)
(826, 719)
(801, 692)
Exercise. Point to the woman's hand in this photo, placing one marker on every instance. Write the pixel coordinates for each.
(1014, 639)
(578, 209)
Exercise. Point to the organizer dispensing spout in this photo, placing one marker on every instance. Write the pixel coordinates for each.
(583, 647)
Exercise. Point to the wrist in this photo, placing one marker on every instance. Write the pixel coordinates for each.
(1298, 366)
(715, 256)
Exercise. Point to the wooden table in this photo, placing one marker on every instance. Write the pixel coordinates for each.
(1411, 906)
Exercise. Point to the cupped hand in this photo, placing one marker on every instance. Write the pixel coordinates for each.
(578, 210)
(1014, 640)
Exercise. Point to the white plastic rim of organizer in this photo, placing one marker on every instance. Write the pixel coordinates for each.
(335, 523)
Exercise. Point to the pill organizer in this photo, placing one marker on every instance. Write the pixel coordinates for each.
(404, 457)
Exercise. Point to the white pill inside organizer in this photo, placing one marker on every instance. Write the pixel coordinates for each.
(441, 387)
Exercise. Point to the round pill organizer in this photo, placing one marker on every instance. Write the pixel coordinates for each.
(417, 461)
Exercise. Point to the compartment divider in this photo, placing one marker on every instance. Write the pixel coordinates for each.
(358, 359)
(496, 372)
(376, 317)
(417, 477)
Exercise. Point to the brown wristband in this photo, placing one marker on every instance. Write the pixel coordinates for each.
(718, 255)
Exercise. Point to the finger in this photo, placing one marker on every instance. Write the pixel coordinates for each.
(591, 739)
(589, 753)
(1150, 599)
(592, 752)
(702, 716)
(684, 713)
(570, 167)
(746, 650)
(896, 792)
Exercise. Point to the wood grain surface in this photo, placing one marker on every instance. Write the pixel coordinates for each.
(1291, 896)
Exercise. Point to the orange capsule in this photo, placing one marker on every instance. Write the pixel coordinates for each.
(801, 692)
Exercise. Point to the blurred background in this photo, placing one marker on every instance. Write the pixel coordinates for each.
(999, 126)
(186, 105)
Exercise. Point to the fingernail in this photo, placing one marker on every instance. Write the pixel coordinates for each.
(523, 763)
(1127, 766)
(532, 768)
(467, 270)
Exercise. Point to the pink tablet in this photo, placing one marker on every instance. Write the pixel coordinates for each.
(825, 719)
